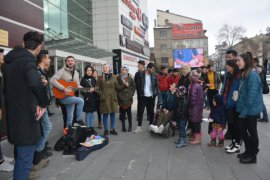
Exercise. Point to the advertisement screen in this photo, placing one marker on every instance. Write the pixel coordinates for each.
(191, 56)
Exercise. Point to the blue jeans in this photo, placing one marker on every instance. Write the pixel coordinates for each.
(162, 100)
(89, 119)
(70, 102)
(46, 127)
(182, 128)
(105, 120)
(23, 162)
(265, 115)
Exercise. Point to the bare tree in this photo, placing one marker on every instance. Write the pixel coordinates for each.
(230, 34)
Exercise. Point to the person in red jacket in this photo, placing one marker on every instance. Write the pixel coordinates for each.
(174, 77)
(163, 79)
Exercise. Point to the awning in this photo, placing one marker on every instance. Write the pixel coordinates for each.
(77, 46)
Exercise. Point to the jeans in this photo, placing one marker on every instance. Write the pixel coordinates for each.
(46, 127)
(249, 133)
(70, 102)
(23, 162)
(182, 128)
(162, 100)
(149, 103)
(89, 119)
(265, 115)
(105, 120)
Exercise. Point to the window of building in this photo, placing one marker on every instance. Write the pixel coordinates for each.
(163, 34)
(164, 61)
(163, 46)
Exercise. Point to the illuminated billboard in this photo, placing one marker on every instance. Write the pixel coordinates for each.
(191, 56)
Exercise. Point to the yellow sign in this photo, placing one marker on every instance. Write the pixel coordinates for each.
(3, 37)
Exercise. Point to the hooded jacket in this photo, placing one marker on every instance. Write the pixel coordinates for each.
(23, 91)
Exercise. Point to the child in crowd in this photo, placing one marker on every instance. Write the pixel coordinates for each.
(180, 113)
(219, 123)
(195, 106)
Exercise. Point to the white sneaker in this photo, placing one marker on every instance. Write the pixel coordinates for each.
(229, 147)
(8, 159)
(155, 129)
(6, 166)
(234, 149)
(160, 129)
(138, 129)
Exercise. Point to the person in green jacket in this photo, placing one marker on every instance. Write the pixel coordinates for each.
(125, 97)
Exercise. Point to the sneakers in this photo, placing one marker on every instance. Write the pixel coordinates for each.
(42, 164)
(212, 143)
(6, 166)
(138, 129)
(113, 132)
(79, 123)
(154, 128)
(8, 159)
(234, 149)
(230, 146)
(182, 143)
(160, 129)
(106, 132)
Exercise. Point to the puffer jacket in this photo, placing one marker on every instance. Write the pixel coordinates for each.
(250, 100)
(195, 102)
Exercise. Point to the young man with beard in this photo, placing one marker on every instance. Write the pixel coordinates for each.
(147, 92)
(25, 100)
(69, 74)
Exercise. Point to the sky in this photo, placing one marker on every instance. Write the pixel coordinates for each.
(253, 15)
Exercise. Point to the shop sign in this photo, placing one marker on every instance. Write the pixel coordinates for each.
(134, 46)
(139, 31)
(126, 22)
(126, 32)
(3, 37)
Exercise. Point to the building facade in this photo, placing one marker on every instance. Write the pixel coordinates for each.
(121, 26)
(178, 39)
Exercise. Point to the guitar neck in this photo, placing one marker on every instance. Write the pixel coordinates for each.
(80, 89)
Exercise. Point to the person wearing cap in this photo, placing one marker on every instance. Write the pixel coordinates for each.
(125, 97)
(195, 106)
(25, 101)
(137, 78)
(147, 92)
(4, 162)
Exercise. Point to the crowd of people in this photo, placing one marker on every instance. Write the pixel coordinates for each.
(235, 103)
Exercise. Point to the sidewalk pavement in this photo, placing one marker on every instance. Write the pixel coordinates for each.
(144, 156)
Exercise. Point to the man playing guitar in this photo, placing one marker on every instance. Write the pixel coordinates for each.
(68, 74)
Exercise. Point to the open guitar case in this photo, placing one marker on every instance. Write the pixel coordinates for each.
(76, 135)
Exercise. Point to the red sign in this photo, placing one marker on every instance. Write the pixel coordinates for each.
(135, 11)
(182, 31)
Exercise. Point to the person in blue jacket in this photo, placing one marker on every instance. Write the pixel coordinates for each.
(249, 106)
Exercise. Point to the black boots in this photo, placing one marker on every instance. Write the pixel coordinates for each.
(248, 159)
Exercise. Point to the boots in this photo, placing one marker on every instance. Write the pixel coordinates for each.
(100, 126)
(197, 139)
(182, 143)
(220, 143)
(212, 143)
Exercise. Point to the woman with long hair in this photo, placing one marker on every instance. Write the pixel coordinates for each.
(249, 106)
(231, 85)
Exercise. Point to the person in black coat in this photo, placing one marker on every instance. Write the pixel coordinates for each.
(25, 100)
(90, 97)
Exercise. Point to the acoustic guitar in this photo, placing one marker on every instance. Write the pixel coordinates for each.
(72, 86)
